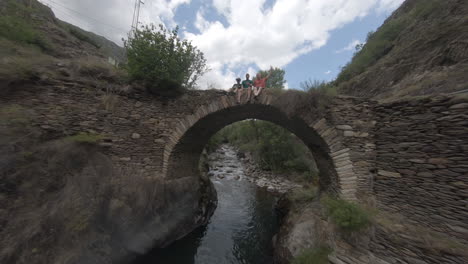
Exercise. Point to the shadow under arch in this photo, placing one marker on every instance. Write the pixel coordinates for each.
(182, 153)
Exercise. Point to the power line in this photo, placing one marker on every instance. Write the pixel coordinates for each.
(57, 5)
(136, 16)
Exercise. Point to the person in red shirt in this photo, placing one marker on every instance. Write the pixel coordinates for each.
(260, 84)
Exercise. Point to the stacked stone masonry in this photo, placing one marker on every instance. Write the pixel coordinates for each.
(422, 162)
(408, 157)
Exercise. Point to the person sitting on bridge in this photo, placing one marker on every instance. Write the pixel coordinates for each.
(260, 84)
(237, 87)
(247, 84)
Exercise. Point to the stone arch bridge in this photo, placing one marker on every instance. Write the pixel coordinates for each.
(338, 136)
(408, 156)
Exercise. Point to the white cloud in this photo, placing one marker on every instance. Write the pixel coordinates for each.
(351, 46)
(274, 36)
(389, 5)
(328, 72)
(113, 18)
(222, 6)
(253, 36)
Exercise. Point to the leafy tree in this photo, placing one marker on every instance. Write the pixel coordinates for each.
(166, 64)
(276, 80)
(273, 147)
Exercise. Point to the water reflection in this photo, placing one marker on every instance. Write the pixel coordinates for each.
(240, 230)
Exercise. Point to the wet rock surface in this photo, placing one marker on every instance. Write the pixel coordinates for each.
(227, 163)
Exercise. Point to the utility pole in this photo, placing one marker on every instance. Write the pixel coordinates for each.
(136, 16)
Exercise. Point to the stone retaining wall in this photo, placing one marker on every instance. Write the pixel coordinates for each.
(422, 162)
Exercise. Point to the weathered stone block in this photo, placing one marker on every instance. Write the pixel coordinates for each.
(459, 106)
(159, 141)
(438, 161)
(344, 127)
(389, 174)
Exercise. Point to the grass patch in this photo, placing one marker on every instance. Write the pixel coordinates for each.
(110, 101)
(18, 69)
(20, 30)
(83, 36)
(321, 87)
(303, 195)
(83, 137)
(21, 68)
(93, 67)
(348, 216)
(313, 256)
(16, 25)
(295, 103)
(12, 115)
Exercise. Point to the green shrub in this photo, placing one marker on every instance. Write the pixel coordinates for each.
(164, 63)
(346, 215)
(167, 88)
(85, 138)
(313, 256)
(424, 8)
(378, 45)
(303, 195)
(315, 86)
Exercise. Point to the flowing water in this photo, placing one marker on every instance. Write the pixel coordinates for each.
(240, 230)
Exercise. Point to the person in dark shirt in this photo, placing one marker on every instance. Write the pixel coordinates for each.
(247, 84)
(237, 87)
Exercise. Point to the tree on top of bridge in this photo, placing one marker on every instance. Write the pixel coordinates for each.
(276, 79)
(165, 64)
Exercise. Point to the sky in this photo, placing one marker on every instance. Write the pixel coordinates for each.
(309, 39)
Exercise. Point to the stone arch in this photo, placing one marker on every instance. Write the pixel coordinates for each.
(184, 146)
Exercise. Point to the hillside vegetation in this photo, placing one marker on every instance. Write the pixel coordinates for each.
(30, 22)
(38, 49)
(272, 147)
(421, 49)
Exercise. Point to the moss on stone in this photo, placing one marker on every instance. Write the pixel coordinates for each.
(317, 255)
(348, 216)
(85, 138)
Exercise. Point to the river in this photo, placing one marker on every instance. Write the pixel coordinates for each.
(240, 230)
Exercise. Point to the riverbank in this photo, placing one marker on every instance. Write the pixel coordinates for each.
(297, 209)
(227, 162)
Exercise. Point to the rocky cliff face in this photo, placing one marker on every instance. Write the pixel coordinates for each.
(421, 49)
